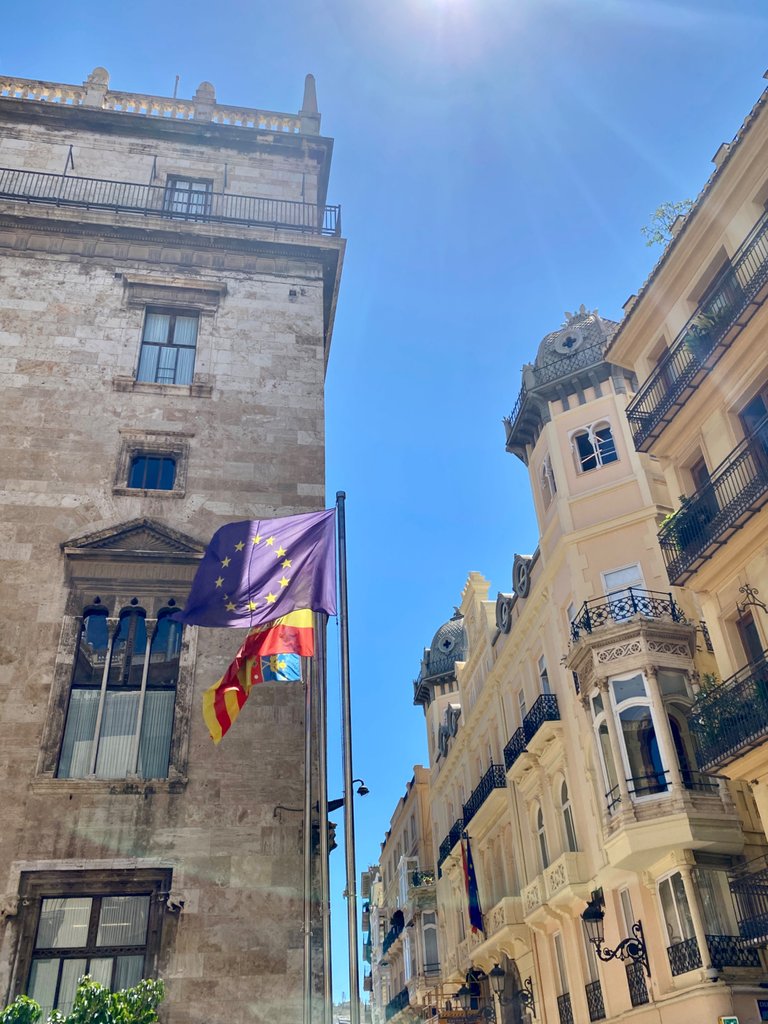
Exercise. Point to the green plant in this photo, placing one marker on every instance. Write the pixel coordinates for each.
(659, 230)
(94, 1004)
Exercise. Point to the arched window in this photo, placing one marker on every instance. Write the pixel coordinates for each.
(541, 836)
(569, 826)
(594, 446)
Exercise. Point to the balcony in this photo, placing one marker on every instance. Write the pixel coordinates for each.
(392, 936)
(395, 1005)
(564, 1008)
(544, 710)
(515, 747)
(450, 841)
(494, 778)
(731, 719)
(730, 305)
(724, 951)
(737, 490)
(162, 201)
(595, 1004)
(622, 605)
(749, 887)
(638, 990)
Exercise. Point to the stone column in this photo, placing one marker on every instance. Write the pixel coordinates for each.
(615, 741)
(663, 730)
(699, 928)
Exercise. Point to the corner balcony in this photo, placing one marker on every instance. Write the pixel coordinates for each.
(163, 201)
(723, 951)
(622, 605)
(534, 730)
(737, 490)
(729, 720)
(731, 303)
(749, 887)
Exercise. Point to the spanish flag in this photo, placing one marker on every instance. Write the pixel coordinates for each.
(291, 634)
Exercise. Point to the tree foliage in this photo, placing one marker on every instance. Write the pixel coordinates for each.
(658, 231)
(94, 1004)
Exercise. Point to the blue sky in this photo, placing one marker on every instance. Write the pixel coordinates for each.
(495, 161)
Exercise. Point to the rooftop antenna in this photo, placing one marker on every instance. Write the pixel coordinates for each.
(176, 86)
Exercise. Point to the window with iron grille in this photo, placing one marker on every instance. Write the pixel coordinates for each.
(152, 472)
(103, 923)
(168, 346)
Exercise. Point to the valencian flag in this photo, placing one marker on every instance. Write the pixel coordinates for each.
(256, 571)
(470, 882)
(270, 653)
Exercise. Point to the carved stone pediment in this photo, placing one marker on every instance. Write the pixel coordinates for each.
(143, 538)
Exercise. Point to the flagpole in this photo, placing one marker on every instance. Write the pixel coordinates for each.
(308, 849)
(321, 675)
(349, 807)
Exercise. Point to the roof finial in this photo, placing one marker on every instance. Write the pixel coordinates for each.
(309, 103)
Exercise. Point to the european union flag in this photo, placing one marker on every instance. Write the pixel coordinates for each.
(255, 571)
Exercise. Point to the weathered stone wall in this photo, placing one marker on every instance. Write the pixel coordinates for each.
(71, 316)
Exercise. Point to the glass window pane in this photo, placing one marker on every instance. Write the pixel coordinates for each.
(91, 650)
(669, 913)
(138, 474)
(166, 474)
(100, 969)
(123, 921)
(606, 752)
(672, 683)
(642, 750)
(166, 366)
(716, 902)
(587, 457)
(684, 911)
(606, 445)
(118, 728)
(626, 689)
(620, 579)
(148, 359)
(42, 983)
(77, 745)
(156, 327)
(156, 729)
(185, 365)
(185, 331)
(71, 973)
(597, 705)
(128, 972)
(63, 923)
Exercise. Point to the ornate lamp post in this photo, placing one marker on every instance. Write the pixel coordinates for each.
(524, 997)
(632, 948)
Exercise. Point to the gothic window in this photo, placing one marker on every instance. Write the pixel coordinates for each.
(103, 923)
(121, 702)
(594, 446)
(168, 347)
(569, 826)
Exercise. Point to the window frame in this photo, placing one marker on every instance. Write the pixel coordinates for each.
(173, 312)
(134, 443)
(596, 443)
(149, 457)
(172, 193)
(35, 886)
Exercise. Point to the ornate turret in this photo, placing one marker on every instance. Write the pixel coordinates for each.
(438, 666)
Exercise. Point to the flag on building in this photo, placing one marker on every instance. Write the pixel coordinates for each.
(470, 883)
(269, 653)
(256, 571)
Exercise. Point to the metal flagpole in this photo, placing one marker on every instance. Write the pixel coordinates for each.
(308, 848)
(349, 807)
(321, 675)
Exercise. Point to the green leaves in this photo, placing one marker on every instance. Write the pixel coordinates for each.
(94, 1004)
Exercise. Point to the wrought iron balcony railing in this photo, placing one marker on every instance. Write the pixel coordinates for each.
(494, 778)
(595, 1003)
(737, 490)
(545, 709)
(730, 303)
(684, 956)
(724, 951)
(391, 937)
(398, 1003)
(749, 887)
(732, 718)
(638, 990)
(564, 1008)
(620, 605)
(450, 841)
(163, 201)
(514, 748)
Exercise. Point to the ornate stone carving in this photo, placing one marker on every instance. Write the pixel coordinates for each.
(619, 651)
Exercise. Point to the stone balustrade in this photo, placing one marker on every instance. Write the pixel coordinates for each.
(95, 92)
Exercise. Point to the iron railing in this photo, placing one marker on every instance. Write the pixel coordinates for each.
(396, 1004)
(702, 341)
(729, 719)
(163, 201)
(684, 956)
(729, 951)
(620, 605)
(699, 781)
(595, 1003)
(638, 990)
(514, 748)
(494, 778)
(736, 491)
(545, 709)
(421, 878)
(392, 936)
(749, 887)
(564, 1008)
(450, 841)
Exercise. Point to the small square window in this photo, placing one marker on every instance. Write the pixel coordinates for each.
(152, 472)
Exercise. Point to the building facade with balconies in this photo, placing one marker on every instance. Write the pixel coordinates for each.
(695, 337)
(560, 749)
(168, 280)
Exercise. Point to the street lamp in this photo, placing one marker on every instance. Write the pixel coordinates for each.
(632, 948)
(524, 997)
(334, 805)
(464, 996)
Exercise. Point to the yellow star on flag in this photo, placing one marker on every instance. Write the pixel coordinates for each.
(240, 546)
(252, 606)
(271, 598)
(256, 539)
(225, 563)
(284, 582)
(286, 563)
(271, 541)
(230, 607)
(219, 581)
(280, 552)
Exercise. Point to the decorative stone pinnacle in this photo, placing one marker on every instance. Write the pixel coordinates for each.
(309, 103)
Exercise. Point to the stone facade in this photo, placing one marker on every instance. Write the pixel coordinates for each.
(246, 435)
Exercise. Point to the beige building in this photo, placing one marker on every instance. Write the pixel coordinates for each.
(400, 913)
(695, 337)
(168, 278)
(560, 749)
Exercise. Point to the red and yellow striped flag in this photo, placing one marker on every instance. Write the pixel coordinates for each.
(291, 634)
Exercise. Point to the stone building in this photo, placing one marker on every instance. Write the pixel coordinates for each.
(168, 279)
(560, 749)
(695, 335)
